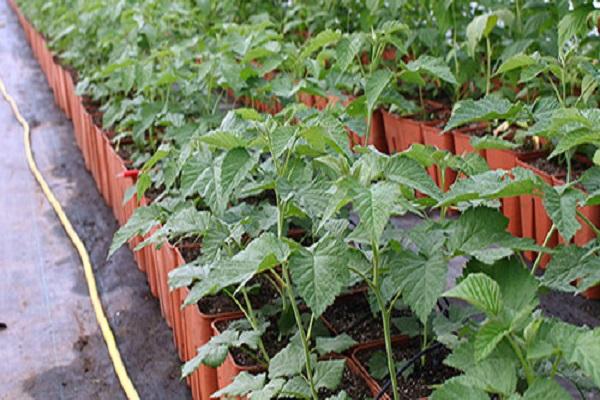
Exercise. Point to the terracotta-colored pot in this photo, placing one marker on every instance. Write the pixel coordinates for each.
(198, 332)
(320, 102)
(306, 98)
(432, 136)
(227, 371)
(507, 160)
(527, 207)
(376, 137)
(173, 259)
(401, 132)
(542, 221)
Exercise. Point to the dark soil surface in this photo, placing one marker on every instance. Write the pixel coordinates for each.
(416, 384)
(51, 347)
(352, 315)
(262, 294)
(352, 383)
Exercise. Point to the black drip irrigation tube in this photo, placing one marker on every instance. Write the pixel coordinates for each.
(410, 362)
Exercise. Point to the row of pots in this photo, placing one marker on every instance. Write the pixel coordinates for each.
(527, 216)
(191, 328)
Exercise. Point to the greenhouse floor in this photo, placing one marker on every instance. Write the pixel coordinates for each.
(51, 347)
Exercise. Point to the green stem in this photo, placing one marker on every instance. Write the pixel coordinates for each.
(526, 367)
(387, 335)
(555, 366)
(541, 254)
(589, 223)
(303, 337)
(488, 73)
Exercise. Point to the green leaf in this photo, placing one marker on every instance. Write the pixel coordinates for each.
(403, 170)
(375, 85)
(223, 139)
(515, 62)
(347, 50)
(561, 205)
(568, 264)
(453, 389)
(491, 185)
(289, 361)
(481, 232)
(547, 389)
(320, 272)
(479, 290)
(328, 373)
(487, 109)
(488, 337)
(214, 352)
(572, 24)
(140, 223)
(374, 207)
(478, 28)
(323, 39)
(235, 167)
(242, 384)
(338, 344)
(420, 280)
(434, 66)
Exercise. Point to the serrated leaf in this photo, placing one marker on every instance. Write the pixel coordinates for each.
(320, 273)
(242, 384)
(547, 389)
(235, 167)
(323, 39)
(420, 280)
(481, 232)
(140, 223)
(568, 264)
(515, 62)
(289, 361)
(478, 28)
(434, 66)
(347, 50)
(487, 109)
(337, 344)
(561, 205)
(403, 170)
(376, 83)
(374, 207)
(480, 291)
(223, 139)
(328, 374)
(487, 338)
(453, 389)
(491, 185)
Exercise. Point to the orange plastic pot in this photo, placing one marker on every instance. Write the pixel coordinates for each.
(401, 132)
(227, 371)
(306, 99)
(527, 207)
(376, 137)
(433, 136)
(507, 160)
(172, 260)
(198, 331)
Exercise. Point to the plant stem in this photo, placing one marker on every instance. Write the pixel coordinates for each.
(589, 223)
(303, 337)
(488, 77)
(540, 255)
(387, 335)
(528, 373)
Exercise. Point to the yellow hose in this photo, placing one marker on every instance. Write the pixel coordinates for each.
(107, 333)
